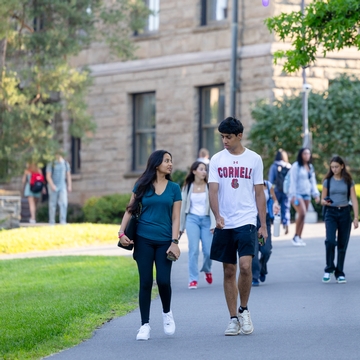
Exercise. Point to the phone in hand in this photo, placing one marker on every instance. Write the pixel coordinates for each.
(328, 199)
(171, 256)
(261, 240)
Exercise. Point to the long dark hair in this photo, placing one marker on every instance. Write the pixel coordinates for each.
(146, 180)
(190, 178)
(344, 173)
(300, 159)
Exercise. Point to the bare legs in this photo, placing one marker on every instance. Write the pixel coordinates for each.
(243, 286)
(301, 210)
(32, 207)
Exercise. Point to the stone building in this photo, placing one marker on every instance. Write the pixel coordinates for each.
(177, 90)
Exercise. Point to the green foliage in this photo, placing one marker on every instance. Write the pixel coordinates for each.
(331, 24)
(108, 209)
(42, 238)
(75, 213)
(37, 85)
(179, 176)
(333, 119)
(53, 303)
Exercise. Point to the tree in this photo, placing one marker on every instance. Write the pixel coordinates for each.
(333, 121)
(37, 84)
(327, 24)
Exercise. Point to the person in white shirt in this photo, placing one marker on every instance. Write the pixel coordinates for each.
(236, 197)
(198, 220)
(204, 156)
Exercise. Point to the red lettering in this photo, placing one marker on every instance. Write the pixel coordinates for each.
(237, 172)
(220, 172)
(231, 172)
(225, 172)
(246, 173)
(250, 171)
(242, 172)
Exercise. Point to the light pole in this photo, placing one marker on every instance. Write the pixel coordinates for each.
(234, 41)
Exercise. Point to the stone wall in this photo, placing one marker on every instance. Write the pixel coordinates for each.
(10, 209)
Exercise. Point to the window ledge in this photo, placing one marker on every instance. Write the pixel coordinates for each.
(146, 36)
(76, 177)
(132, 174)
(213, 26)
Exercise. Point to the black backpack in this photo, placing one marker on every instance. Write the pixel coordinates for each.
(280, 177)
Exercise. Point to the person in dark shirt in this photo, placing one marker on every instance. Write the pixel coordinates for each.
(156, 235)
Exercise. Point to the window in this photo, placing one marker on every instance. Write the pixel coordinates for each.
(212, 112)
(75, 155)
(144, 111)
(152, 24)
(213, 10)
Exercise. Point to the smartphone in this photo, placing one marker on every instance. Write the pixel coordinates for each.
(261, 240)
(328, 199)
(171, 256)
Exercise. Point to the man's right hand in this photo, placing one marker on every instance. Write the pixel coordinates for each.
(220, 223)
(53, 187)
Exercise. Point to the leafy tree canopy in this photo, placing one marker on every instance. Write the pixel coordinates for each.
(37, 84)
(333, 121)
(330, 24)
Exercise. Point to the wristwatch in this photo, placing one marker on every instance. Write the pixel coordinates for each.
(175, 241)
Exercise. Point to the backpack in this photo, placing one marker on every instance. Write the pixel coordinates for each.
(270, 202)
(282, 172)
(37, 182)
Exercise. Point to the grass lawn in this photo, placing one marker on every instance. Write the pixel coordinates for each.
(56, 237)
(52, 303)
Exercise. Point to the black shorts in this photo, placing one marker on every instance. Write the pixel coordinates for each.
(227, 241)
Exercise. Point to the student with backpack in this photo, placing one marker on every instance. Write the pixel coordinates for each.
(33, 182)
(302, 188)
(277, 175)
(338, 189)
(198, 220)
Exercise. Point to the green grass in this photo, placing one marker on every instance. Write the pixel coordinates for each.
(49, 304)
(56, 237)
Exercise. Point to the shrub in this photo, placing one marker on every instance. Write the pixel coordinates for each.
(179, 176)
(108, 209)
(75, 213)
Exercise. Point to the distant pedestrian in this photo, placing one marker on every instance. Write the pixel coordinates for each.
(302, 187)
(58, 176)
(198, 220)
(338, 189)
(259, 266)
(204, 156)
(157, 236)
(32, 196)
(236, 197)
(277, 173)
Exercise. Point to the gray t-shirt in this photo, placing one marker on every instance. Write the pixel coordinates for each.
(338, 191)
(58, 170)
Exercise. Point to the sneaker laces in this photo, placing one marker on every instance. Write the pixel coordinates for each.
(143, 329)
(168, 319)
(246, 317)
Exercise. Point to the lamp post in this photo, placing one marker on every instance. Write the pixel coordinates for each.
(234, 41)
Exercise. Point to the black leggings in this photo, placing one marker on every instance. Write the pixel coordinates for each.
(146, 252)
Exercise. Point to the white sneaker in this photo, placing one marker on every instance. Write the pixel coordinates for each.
(169, 323)
(302, 242)
(32, 221)
(341, 280)
(233, 328)
(297, 241)
(245, 323)
(144, 332)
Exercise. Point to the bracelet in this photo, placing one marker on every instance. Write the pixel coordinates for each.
(121, 235)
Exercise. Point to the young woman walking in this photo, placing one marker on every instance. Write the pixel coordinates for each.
(302, 187)
(198, 220)
(156, 236)
(338, 189)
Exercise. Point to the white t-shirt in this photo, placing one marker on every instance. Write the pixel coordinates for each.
(236, 176)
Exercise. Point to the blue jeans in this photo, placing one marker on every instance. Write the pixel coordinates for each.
(58, 197)
(284, 207)
(337, 219)
(259, 266)
(198, 228)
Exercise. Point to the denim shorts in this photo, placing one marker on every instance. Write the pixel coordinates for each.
(303, 196)
(226, 242)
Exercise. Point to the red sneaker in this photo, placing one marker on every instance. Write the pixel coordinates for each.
(208, 278)
(193, 285)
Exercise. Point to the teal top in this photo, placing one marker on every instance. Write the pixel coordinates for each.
(155, 221)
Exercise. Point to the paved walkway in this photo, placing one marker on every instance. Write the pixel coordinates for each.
(295, 315)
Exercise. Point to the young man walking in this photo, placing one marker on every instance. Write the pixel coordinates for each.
(236, 197)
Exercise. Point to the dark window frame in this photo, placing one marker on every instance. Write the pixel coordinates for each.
(75, 155)
(203, 14)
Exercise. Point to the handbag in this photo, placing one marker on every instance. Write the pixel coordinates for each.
(131, 227)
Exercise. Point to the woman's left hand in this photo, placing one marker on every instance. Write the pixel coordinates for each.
(276, 208)
(356, 223)
(174, 248)
(317, 199)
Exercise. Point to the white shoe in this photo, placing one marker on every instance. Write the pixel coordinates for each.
(326, 278)
(341, 280)
(169, 323)
(302, 242)
(144, 332)
(297, 241)
(245, 323)
(32, 221)
(233, 328)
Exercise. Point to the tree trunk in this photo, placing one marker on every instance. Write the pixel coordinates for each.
(3, 44)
